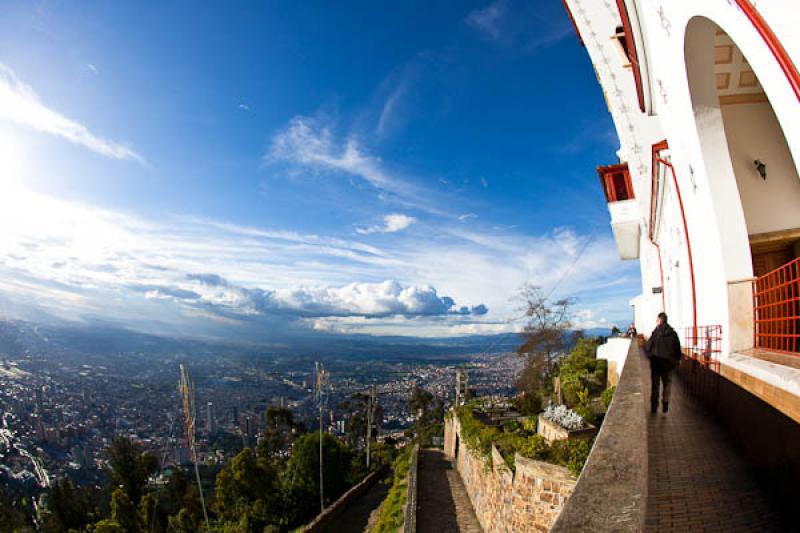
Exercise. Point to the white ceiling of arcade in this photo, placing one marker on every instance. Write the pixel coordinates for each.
(736, 81)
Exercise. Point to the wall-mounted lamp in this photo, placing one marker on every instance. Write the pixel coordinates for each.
(761, 167)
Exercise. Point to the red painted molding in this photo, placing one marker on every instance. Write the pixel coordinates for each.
(634, 56)
(572, 20)
(773, 43)
(658, 147)
(657, 160)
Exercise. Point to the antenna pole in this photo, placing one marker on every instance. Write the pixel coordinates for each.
(186, 388)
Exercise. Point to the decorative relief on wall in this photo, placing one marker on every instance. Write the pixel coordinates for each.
(666, 25)
(623, 111)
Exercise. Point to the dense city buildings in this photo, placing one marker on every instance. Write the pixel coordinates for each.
(61, 407)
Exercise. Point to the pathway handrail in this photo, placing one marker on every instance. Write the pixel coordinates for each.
(410, 511)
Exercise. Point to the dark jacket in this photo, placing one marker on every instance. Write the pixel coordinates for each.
(664, 345)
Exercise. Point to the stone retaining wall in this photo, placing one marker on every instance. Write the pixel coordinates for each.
(525, 500)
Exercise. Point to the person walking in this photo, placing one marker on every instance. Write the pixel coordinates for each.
(663, 348)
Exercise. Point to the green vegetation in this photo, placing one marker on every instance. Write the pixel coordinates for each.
(511, 439)
(391, 512)
(581, 377)
(607, 395)
(581, 374)
(430, 415)
(258, 490)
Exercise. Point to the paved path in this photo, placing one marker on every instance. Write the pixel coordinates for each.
(444, 506)
(361, 515)
(697, 480)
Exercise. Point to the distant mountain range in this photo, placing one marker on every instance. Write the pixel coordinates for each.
(18, 337)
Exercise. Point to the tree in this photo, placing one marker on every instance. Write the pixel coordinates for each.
(69, 507)
(183, 522)
(420, 402)
(130, 468)
(279, 433)
(124, 512)
(247, 493)
(11, 516)
(301, 477)
(545, 336)
(430, 414)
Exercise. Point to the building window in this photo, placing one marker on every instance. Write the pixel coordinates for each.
(616, 181)
(622, 45)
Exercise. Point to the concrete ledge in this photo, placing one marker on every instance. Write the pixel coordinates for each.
(611, 493)
(776, 384)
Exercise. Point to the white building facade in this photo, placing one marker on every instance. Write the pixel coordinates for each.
(705, 98)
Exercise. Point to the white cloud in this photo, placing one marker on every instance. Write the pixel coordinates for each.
(488, 19)
(467, 216)
(20, 105)
(391, 224)
(244, 107)
(122, 266)
(389, 107)
(520, 25)
(588, 319)
(198, 264)
(306, 142)
(91, 67)
(416, 326)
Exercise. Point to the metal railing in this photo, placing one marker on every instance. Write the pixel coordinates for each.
(410, 511)
(704, 345)
(702, 348)
(776, 309)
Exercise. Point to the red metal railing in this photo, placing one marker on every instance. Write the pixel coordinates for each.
(704, 345)
(616, 181)
(776, 305)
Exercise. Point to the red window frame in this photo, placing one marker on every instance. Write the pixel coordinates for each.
(616, 182)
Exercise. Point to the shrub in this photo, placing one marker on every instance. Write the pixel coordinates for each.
(607, 395)
(530, 424)
(535, 447)
(570, 453)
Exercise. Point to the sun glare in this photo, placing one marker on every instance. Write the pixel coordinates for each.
(13, 167)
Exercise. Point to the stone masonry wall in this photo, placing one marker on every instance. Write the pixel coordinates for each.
(527, 500)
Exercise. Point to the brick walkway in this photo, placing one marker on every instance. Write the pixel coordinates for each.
(444, 506)
(697, 481)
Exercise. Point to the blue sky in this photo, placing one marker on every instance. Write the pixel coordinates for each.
(352, 167)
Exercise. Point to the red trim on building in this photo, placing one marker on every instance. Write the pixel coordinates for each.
(773, 43)
(572, 20)
(632, 53)
(657, 148)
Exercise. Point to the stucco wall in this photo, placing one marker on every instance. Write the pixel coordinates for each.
(615, 351)
(753, 133)
(527, 500)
